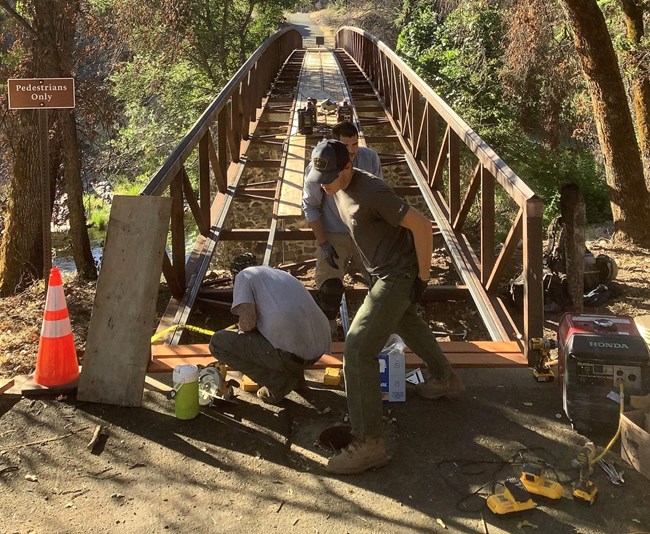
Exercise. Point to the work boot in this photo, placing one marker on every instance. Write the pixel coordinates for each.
(269, 397)
(436, 389)
(275, 397)
(360, 455)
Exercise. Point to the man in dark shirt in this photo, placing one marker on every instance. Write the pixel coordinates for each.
(395, 242)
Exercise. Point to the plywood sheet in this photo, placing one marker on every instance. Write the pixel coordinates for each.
(117, 350)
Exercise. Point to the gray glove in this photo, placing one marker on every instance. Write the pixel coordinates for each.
(330, 254)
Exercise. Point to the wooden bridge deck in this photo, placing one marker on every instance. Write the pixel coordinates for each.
(459, 354)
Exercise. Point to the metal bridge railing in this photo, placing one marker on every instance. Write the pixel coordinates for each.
(419, 115)
(232, 113)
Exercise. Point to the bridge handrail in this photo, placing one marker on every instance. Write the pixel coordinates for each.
(414, 110)
(234, 113)
(168, 170)
(517, 189)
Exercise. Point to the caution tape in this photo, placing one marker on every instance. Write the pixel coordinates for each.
(174, 327)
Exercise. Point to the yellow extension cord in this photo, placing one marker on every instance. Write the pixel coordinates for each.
(174, 327)
(618, 430)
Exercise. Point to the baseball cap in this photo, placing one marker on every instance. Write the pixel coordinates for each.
(241, 262)
(328, 159)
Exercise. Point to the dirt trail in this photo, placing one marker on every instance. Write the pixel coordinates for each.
(250, 468)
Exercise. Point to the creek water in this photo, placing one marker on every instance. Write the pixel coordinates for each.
(62, 250)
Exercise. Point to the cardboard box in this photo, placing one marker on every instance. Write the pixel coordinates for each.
(392, 375)
(635, 440)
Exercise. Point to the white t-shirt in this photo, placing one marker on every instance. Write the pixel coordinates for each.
(287, 315)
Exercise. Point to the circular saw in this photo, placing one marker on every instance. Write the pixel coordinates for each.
(213, 385)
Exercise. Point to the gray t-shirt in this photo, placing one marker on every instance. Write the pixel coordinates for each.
(287, 315)
(318, 205)
(372, 212)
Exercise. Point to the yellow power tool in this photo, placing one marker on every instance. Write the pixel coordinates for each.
(534, 479)
(513, 497)
(542, 372)
(584, 490)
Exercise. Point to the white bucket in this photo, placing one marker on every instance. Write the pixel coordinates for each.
(643, 325)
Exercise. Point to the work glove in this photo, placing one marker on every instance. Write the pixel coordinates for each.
(418, 289)
(330, 254)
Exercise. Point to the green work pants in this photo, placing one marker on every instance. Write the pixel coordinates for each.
(387, 309)
(252, 354)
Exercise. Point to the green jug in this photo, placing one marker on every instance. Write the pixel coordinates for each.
(186, 391)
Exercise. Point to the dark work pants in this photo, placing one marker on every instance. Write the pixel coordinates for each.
(252, 354)
(387, 309)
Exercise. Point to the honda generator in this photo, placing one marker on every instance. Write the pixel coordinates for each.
(596, 353)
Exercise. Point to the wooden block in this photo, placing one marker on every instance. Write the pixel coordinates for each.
(6, 384)
(248, 384)
(117, 348)
(332, 376)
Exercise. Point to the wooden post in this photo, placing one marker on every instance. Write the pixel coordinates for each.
(572, 209)
(533, 288)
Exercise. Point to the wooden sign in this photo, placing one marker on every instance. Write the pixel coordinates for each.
(41, 93)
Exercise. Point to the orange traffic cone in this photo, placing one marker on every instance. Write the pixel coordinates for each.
(57, 357)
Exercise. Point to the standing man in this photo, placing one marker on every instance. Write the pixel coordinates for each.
(335, 246)
(281, 330)
(395, 242)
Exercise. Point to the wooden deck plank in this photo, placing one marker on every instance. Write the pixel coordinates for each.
(459, 353)
(292, 175)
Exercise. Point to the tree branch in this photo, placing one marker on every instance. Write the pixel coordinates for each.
(21, 20)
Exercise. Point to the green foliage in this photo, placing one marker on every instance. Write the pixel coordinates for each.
(165, 84)
(161, 101)
(97, 212)
(461, 56)
(547, 170)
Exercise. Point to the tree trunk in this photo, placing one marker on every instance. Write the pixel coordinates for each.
(572, 209)
(629, 195)
(81, 252)
(48, 45)
(21, 251)
(639, 79)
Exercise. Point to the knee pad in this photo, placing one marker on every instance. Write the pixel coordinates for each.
(329, 297)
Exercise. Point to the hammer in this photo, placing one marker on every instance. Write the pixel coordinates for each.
(462, 336)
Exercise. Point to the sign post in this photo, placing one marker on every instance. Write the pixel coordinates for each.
(43, 94)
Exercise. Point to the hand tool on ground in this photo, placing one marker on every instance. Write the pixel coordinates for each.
(462, 335)
(533, 477)
(614, 476)
(513, 497)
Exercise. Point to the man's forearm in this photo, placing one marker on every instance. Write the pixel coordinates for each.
(247, 317)
(319, 231)
(422, 232)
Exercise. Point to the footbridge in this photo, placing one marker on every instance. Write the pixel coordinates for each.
(245, 155)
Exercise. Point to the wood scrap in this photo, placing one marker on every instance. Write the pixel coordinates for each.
(95, 439)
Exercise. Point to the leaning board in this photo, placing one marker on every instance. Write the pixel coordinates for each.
(119, 336)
